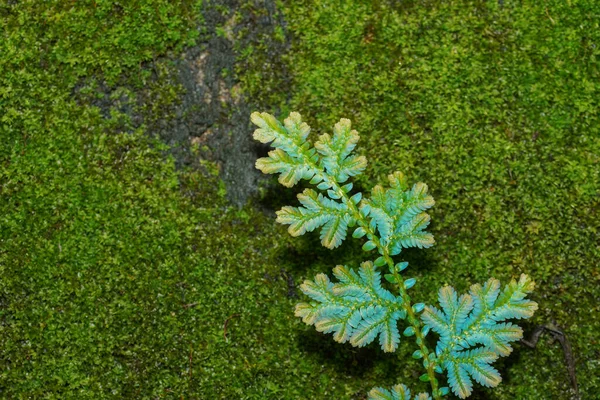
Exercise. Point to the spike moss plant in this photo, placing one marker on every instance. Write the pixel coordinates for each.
(359, 307)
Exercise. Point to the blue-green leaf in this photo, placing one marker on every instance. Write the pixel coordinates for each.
(356, 309)
(336, 150)
(398, 214)
(293, 157)
(291, 170)
(398, 392)
(472, 330)
(317, 211)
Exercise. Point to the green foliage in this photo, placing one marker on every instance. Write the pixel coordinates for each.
(288, 158)
(397, 213)
(473, 319)
(317, 211)
(107, 36)
(494, 105)
(336, 150)
(295, 159)
(358, 308)
(118, 269)
(398, 392)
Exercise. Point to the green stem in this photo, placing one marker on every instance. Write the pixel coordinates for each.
(413, 320)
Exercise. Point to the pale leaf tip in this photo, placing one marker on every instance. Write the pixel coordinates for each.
(256, 118)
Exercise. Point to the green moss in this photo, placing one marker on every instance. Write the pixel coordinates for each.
(494, 106)
(119, 272)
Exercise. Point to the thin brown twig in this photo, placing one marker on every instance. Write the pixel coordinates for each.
(562, 338)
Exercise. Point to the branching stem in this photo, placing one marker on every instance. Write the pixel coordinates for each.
(412, 318)
(362, 221)
(358, 308)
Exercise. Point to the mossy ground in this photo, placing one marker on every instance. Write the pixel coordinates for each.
(125, 277)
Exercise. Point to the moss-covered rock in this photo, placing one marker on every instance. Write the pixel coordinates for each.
(126, 272)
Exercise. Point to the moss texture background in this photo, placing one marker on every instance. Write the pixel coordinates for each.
(127, 274)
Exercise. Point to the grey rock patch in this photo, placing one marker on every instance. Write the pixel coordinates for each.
(211, 113)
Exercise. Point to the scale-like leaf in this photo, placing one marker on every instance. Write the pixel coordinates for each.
(356, 309)
(271, 130)
(295, 159)
(398, 392)
(472, 332)
(293, 156)
(398, 214)
(336, 150)
(318, 211)
(291, 169)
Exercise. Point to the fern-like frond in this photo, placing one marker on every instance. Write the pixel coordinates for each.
(398, 214)
(336, 150)
(293, 132)
(328, 164)
(318, 211)
(291, 169)
(398, 392)
(295, 158)
(293, 155)
(356, 309)
(472, 330)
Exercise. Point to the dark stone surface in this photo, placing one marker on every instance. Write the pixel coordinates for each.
(210, 111)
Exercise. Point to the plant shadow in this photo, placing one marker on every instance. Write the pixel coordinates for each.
(343, 358)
